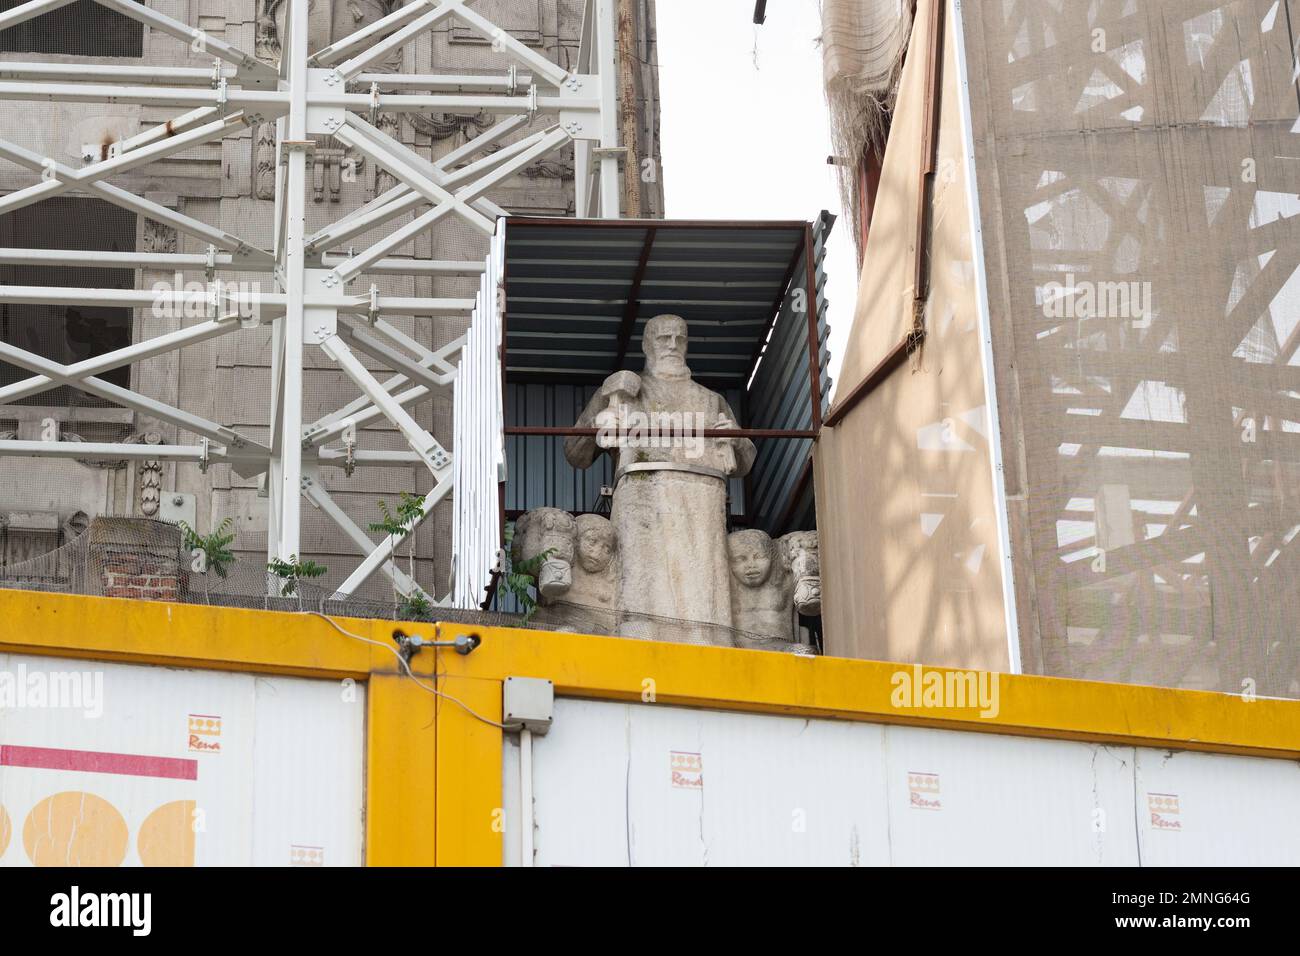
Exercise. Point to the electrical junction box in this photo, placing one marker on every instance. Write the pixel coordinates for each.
(529, 701)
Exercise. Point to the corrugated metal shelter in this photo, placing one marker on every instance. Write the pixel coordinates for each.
(577, 296)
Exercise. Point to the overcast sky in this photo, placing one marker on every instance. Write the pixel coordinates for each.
(744, 126)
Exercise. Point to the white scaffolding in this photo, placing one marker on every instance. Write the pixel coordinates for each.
(322, 300)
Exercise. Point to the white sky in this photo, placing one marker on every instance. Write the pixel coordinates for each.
(744, 127)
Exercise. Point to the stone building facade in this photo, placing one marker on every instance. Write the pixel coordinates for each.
(230, 184)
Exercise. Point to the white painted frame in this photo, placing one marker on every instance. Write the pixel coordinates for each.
(312, 307)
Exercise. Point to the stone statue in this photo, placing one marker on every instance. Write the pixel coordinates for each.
(670, 497)
(804, 558)
(548, 531)
(760, 605)
(577, 583)
(772, 582)
(590, 607)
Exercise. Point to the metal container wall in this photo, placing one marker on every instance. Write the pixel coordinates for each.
(618, 784)
(178, 767)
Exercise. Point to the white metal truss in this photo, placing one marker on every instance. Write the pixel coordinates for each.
(322, 299)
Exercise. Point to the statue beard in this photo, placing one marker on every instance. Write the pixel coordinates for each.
(669, 368)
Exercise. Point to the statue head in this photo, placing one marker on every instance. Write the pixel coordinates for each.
(751, 553)
(597, 543)
(664, 344)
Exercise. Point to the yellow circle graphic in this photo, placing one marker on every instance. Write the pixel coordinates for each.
(167, 835)
(75, 829)
(4, 831)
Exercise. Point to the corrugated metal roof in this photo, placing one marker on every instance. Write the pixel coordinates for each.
(578, 293)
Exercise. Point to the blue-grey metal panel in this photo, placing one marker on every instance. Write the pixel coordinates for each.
(537, 474)
(779, 397)
(567, 288)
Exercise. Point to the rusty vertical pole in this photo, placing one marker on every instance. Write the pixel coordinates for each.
(629, 103)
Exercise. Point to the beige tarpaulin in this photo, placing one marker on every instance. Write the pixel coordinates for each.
(911, 565)
(862, 52)
(1138, 178)
(862, 41)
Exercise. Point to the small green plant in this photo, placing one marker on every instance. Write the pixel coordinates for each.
(518, 577)
(214, 547)
(292, 571)
(414, 607)
(397, 524)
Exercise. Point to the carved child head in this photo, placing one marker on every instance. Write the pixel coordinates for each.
(664, 344)
(751, 554)
(597, 543)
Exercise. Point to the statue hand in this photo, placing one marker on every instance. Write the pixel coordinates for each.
(725, 422)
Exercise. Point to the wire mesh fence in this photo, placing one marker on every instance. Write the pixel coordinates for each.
(144, 559)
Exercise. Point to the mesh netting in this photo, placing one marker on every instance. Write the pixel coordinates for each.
(142, 559)
(1142, 236)
(587, 619)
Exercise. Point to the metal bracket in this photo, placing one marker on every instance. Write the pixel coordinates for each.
(290, 145)
(373, 315)
(320, 323)
(409, 645)
(582, 120)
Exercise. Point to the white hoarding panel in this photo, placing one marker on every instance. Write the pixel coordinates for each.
(109, 764)
(645, 784)
(1197, 809)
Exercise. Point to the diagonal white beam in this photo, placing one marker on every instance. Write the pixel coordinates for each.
(26, 11)
(250, 66)
(137, 352)
(374, 213)
(409, 173)
(378, 28)
(128, 200)
(67, 179)
(314, 491)
(394, 359)
(129, 399)
(359, 262)
(360, 411)
(508, 44)
(421, 442)
(366, 569)
(394, 41)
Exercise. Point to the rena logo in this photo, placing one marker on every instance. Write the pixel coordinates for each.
(103, 909)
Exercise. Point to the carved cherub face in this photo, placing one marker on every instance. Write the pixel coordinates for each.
(664, 343)
(751, 557)
(595, 548)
